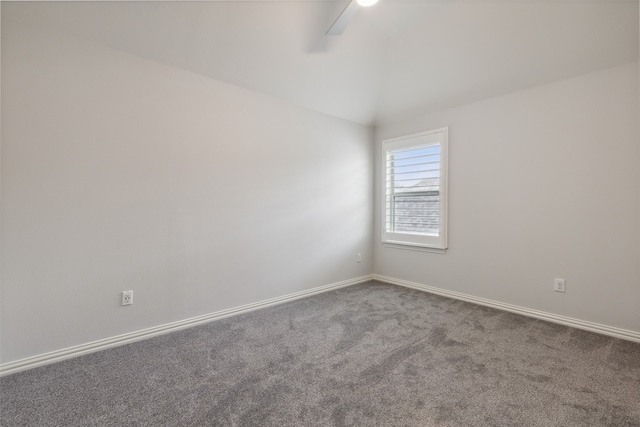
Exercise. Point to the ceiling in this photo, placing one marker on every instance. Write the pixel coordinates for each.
(395, 57)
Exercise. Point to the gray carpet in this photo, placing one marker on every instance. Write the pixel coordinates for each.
(367, 355)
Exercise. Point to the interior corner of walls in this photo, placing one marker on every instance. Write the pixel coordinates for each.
(153, 183)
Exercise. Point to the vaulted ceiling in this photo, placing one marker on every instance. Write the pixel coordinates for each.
(395, 57)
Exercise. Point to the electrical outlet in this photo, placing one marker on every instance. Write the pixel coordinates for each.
(358, 257)
(558, 285)
(127, 297)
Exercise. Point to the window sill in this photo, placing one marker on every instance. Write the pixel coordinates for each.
(413, 247)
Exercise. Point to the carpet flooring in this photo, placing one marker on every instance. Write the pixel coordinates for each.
(368, 355)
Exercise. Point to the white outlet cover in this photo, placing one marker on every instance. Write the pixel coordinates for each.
(127, 297)
(559, 285)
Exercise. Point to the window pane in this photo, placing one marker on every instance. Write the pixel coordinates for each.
(413, 184)
(415, 214)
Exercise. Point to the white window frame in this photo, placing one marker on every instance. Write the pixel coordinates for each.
(416, 241)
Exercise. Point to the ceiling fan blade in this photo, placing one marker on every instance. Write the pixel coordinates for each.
(343, 20)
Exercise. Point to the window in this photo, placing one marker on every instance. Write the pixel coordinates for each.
(415, 190)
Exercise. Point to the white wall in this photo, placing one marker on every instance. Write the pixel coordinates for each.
(544, 183)
(122, 173)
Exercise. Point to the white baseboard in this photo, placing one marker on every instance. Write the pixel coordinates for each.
(75, 351)
(563, 320)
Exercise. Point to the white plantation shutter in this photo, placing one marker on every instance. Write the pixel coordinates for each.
(415, 190)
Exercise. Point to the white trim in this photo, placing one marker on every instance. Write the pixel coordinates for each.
(412, 247)
(542, 315)
(71, 352)
(439, 137)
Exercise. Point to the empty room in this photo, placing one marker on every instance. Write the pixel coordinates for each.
(320, 213)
